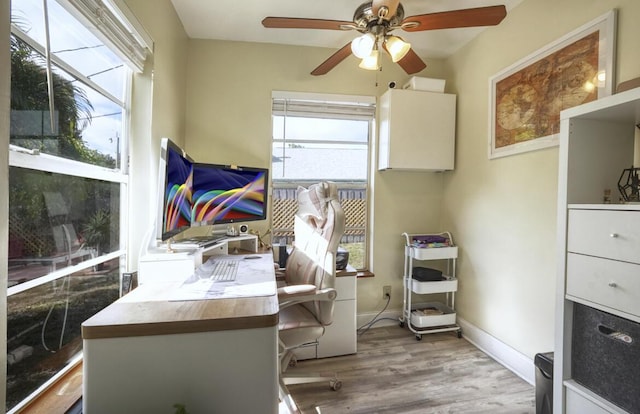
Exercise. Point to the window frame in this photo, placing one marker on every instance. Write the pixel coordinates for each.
(354, 107)
(115, 25)
(20, 157)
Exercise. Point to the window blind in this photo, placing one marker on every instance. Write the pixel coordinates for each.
(112, 22)
(323, 106)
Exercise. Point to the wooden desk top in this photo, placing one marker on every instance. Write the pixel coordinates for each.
(135, 315)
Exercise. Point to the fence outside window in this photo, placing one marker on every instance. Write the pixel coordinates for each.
(353, 198)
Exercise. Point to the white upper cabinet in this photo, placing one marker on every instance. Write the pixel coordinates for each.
(417, 130)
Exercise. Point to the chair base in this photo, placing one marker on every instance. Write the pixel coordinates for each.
(311, 377)
(287, 359)
(287, 403)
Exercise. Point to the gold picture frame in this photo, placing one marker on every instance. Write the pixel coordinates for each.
(526, 98)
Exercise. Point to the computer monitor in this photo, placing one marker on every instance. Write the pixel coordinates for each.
(228, 194)
(175, 179)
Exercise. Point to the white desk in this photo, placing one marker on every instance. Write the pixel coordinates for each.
(143, 355)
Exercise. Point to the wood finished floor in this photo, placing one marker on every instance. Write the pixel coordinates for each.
(394, 373)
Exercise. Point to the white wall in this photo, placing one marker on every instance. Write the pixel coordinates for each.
(503, 211)
(159, 101)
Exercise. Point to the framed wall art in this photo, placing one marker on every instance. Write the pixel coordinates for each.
(526, 98)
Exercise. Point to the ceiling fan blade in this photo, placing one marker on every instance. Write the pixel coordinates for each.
(481, 16)
(411, 63)
(300, 23)
(392, 5)
(333, 60)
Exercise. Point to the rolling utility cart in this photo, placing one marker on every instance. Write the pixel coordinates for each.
(429, 317)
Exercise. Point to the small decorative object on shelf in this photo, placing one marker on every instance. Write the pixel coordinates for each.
(629, 184)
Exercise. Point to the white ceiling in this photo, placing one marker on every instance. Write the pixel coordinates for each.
(240, 20)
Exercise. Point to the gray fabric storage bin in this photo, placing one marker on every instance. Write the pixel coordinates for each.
(606, 356)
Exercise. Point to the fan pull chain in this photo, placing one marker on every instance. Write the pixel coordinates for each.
(378, 76)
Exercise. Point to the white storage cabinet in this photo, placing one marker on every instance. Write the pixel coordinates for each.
(417, 130)
(340, 338)
(440, 317)
(598, 261)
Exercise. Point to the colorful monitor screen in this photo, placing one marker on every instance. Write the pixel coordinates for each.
(228, 194)
(175, 180)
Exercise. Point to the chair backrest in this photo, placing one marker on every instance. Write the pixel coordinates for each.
(318, 227)
(65, 237)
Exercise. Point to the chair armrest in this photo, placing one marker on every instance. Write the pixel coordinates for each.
(289, 291)
(304, 293)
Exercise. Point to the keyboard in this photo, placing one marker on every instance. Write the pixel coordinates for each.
(224, 270)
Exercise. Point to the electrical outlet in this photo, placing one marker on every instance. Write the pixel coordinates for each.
(386, 292)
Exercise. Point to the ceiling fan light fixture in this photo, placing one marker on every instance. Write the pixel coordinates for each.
(396, 47)
(362, 46)
(370, 62)
(375, 19)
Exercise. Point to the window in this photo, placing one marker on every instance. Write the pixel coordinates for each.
(67, 181)
(322, 137)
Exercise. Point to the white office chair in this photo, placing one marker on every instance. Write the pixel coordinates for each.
(68, 246)
(307, 298)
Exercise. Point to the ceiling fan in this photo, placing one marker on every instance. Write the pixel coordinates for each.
(376, 20)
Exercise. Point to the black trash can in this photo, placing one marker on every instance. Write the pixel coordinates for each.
(544, 383)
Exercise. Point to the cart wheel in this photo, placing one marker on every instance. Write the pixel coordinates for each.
(418, 337)
(402, 324)
(335, 384)
(459, 333)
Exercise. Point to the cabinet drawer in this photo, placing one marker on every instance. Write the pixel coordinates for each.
(346, 287)
(580, 404)
(607, 282)
(605, 233)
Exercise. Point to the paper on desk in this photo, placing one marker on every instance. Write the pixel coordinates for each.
(202, 289)
(254, 278)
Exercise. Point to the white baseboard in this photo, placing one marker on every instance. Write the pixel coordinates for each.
(387, 318)
(505, 355)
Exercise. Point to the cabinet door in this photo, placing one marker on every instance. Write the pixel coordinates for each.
(577, 404)
(417, 130)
